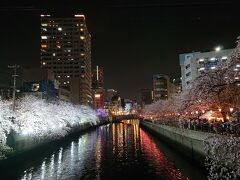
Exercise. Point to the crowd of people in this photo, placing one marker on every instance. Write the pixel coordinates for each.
(204, 125)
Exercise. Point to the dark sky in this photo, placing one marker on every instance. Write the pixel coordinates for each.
(132, 40)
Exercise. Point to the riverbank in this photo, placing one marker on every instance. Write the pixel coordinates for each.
(24, 145)
(190, 143)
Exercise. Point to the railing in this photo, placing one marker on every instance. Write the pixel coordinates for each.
(211, 127)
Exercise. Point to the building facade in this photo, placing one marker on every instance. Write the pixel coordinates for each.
(163, 88)
(97, 78)
(109, 95)
(66, 50)
(98, 88)
(146, 96)
(39, 82)
(194, 64)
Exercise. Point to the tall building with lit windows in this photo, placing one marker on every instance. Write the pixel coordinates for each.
(160, 87)
(98, 87)
(196, 63)
(66, 50)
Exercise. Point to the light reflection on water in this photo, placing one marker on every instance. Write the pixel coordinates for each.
(121, 150)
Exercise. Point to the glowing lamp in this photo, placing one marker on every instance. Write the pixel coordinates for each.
(97, 95)
(218, 48)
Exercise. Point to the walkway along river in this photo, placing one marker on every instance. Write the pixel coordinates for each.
(113, 151)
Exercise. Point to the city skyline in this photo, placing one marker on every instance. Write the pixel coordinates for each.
(150, 40)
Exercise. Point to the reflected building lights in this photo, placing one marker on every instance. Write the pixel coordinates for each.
(43, 169)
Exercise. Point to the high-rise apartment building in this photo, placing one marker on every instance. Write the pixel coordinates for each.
(66, 50)
(194, 64)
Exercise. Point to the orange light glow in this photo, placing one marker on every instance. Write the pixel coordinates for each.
(97, 95)
(43, 45)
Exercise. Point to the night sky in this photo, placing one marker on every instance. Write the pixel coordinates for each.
(132, 40)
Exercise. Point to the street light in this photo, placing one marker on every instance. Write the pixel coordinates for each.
(218, 48)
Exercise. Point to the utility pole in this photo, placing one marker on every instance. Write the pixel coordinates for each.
(14, 67)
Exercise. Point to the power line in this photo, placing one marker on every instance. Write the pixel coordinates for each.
(14, 67)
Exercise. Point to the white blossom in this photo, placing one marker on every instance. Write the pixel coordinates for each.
(38, 119)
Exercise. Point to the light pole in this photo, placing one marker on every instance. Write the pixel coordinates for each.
(14, 67)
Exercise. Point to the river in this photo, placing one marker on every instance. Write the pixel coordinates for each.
(114, 151)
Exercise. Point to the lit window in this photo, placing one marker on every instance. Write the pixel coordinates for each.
(236, 77)
(238, 65)
(43, 37)
(43, 63)
(58, 46)
(44, 24)
(201, 60)
(54, 54)
(45, 15)
(44, 29)
(79, 15)
(224, 58)
(69, 50)
(60, 29)
(81, 29)
(213, 59)
(82, 37)
(82, 54)
(68, 76)
(213, 67)
(236, 69)
(97, 95)
(58, 76)
(201, 69)
(43, 45)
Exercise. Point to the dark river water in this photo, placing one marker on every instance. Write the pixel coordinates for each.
(114, 151)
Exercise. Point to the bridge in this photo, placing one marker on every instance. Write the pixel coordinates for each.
(118, 118)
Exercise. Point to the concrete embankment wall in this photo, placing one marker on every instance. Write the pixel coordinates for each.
(188, 142)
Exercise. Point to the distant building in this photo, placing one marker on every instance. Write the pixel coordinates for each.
(64, 94)
(162, 87)
(66, 50)
(178, 85)
(97, 78)
(98, 88)
(109, 94)
(98, 101)
(116, 105)
(146, 96)
(196, 63)
(40, 82)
